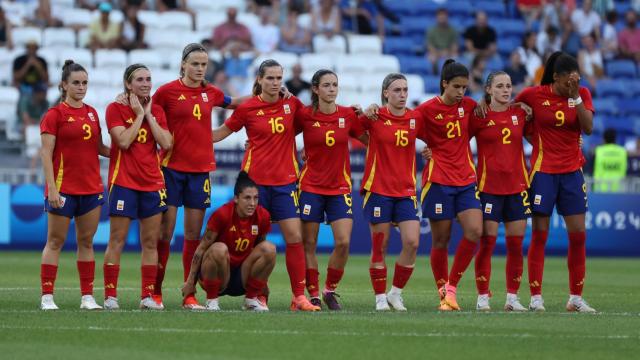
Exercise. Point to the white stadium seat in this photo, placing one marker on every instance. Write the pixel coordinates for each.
(287, 60)
(110, 58)
(248, 19)
(199, 6)
(83, 38)
(416, 88)
(115, 15)
(174, 20)
(354, 64)
(383, 64)
(99, 77)
(79, 55)
(77, 17)
(365, 44)
(173, 59)
(336, 45)
(304, 21)
(161, 77)
(153, 59)
(208, 20)
(312, 62)
(22, 35)
(50, 55)
(170, 39)
(59, 37)
(348, 82)
(371, 82)
(8, 101)
(148, 18)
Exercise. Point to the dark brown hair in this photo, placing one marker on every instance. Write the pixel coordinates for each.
(257, 88)
(315, 82)
(68, 67)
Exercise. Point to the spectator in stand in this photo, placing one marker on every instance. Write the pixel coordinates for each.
(214, 66)
(5, 31)
(586, 20)
(104, 33)
(31, 108)
(297, 85)
(176, 5)
(602, 7)
(441, 40)
(43, 15)
(480, 39)
(610, 36)
(590, 61)
(529, 54)
(221, 81)
(237, 68)
(293, 37)
(232, 34)
(629, 38)
(518, 72)
(265, 35)
(88, 4)
(570, 38)
(477, 76)
(326, 20)
(132, 29)
(549, 40)
(530, 10)
(552, 12)
(29, 70)
(363, 17)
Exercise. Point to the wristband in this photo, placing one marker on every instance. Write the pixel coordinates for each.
(577, 100)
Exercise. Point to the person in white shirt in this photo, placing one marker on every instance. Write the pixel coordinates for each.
(586, 20)
(266, 34)
(610, 36)
(590, 60)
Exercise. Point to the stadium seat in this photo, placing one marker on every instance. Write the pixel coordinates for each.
(621, 69)
(352, 64)
(623, 125)
(370, 82)
(50, 55)
(365, 44)
(401, 8)
(115, 15)
(608, 88)
(99, 77)
(32, 140)
(398, 45)
(493, 9)
(494, 63)
(349, 82)
(149, 57)
(208, 20)
(313, 62)
(605, 107)
(508, 27)
(461, 8)
(111, 58)
(77, 17)
(383, 64)
(506, 45)
(174, 20)
(431, 84)
(59, 37)
(83, 38)
(628, 107)
(170, 39)
(8, 99)
(415, 65)
(203, 6)
(161, 77)
(287, 60)
(248, 19)
(336, 45)
(148, 17)
(416, 88)
(78, 55)
(304, 21)
(416, 25)
(22, 35)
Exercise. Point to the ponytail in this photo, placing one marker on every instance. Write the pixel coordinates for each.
(68, 67)
(450, 70)
(558, 63)
(242, 182)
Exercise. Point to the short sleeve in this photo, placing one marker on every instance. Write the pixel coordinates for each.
(237, 120)
(114, 117)
(525, 96)
(218, 97)
(49, 123)
(469, 104)
(474, 125)
(218, 221)
(159, 97)
(160, 116)
(587, 100)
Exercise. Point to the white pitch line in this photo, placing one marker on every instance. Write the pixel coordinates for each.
(307, 333)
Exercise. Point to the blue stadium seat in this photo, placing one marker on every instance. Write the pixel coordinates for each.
(508, 27)
(415, 65)
(621, 69)
(623, 125)
(611, 89)
(431, 84)
(400, 8)
(459, 8)
(492, 8)
(399, 45)
(416, 24)
(506, 45)
(605, 107)
(629, 107)
(495, 63)
(422, 7)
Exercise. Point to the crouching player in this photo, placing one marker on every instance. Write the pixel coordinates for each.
(234, 257)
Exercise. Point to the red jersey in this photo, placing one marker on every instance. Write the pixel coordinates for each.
(501, 166)
(446, 132)
(390, 165)
(239, 234)
(137, 167)
(76, 167)
(271, 158)
(555, 129)
(327, 170)
(188, 114)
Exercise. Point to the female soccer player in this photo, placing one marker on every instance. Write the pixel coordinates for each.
(562, 111)
(325, 182)
(503, 184)
(71, 143)
(449, 179)
(389, 188)
(187, 103)
(271, 161)
(234, 257)
(136, 185)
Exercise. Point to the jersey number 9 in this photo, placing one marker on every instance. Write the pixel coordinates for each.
(559, 118)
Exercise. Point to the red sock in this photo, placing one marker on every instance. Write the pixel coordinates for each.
(439, 259)
(111, 272)
(86, 270)
(254, 287)
(48, 274)
(333, 278)
(464, 255)
(401, 275)
(163, 259)
(313, 282)
(514, 263)
(576, 261)
(483, 264)
(535, 261)
(211, 287)
(188, 249)
(149, 275)
(294, 256)
(378, 280)
(377, 239)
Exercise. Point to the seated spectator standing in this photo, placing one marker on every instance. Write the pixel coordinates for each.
(480, 39)
(293, 37)
(441, 40)
(232, 34)
(610, 36)
(29, 69)
(528, 53)
(629, 38)
(104, 33)
(325, 19)
(265, 35)
(610, 164)
(585, 20)
(590, 61)
(131, 29)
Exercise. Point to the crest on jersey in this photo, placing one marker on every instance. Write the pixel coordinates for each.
(181, 97)
(341, 123)
(254, 229)
(286, 108)
(91, 117)
(460, 112)
(412, 124)
(204, 97)
(572, 103)
(514, 119)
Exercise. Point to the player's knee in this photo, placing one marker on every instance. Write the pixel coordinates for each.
(341, 246)
(268, 251)
(218, 251)
(411, 244)
(474, 233)
(55, 243)
(440, 241)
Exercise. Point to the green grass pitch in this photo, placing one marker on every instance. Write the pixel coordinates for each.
(612, 287)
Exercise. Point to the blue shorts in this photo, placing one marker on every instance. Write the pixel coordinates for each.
(75, 205)
(568, 192)
(136, 204)
(317, 208)
(234, 287)
(441, 202)
(193, 190)
(505, 208)
(380, 209)
(280, 201)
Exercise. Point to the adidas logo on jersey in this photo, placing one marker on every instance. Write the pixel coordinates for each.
(388, 122)
(71, 119)
(491, 123)
(546, 103)
(182, 97)
(316, 124)
(233, 228)
(260, 113)
(439, 117)
(129, 121)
